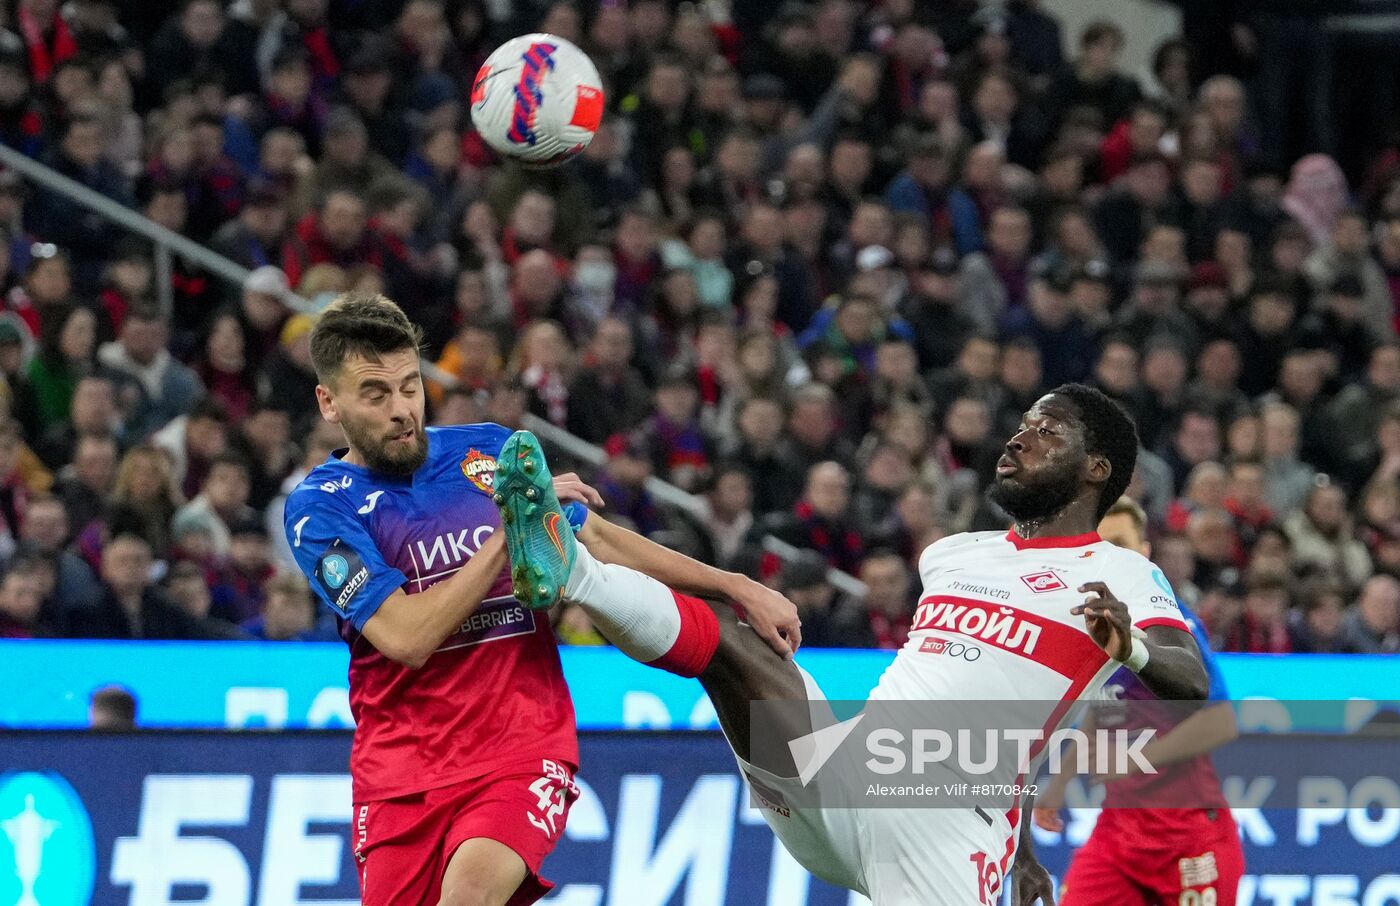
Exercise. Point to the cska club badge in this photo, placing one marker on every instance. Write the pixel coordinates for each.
(480, 470)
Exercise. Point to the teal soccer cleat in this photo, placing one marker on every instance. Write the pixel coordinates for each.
(538, 537)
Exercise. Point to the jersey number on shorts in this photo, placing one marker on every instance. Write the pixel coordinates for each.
(551, 791)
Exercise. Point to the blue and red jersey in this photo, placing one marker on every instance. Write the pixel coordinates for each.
(493, 693)
(1192, 782)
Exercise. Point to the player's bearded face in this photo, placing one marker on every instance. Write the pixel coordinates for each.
(1039, 492)
(380, 407)
(399, 452)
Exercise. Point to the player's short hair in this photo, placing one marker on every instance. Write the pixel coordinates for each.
(1108, 431)
(1127, 506)
(363, 325)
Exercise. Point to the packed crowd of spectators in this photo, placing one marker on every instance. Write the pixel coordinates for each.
(817, 261)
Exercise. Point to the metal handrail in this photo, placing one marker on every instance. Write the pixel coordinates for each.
(167, 241)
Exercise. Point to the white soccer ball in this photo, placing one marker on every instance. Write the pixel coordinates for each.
(537, 98)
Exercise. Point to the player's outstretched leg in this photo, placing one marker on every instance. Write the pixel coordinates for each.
(648, 621)
(685, 635)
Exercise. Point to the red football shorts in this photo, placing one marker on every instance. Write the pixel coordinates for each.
(402, 846)
(1123, 864)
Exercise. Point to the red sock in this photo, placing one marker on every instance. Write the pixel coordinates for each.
(699, 637)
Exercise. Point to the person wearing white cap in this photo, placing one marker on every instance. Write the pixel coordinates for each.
(264, 306)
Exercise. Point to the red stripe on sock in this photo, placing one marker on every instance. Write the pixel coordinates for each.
(695, 645)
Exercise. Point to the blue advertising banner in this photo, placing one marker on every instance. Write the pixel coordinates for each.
(263, 819)
(284, 684)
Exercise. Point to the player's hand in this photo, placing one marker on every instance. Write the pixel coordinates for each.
(1048, 819)
(1030, 882)
(770, 615)
(569, 488)
(1107, 620)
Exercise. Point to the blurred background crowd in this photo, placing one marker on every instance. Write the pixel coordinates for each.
(816, 263)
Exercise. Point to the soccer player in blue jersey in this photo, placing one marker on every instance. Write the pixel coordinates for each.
(1187, 852)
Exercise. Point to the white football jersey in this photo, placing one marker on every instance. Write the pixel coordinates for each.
(994, 621)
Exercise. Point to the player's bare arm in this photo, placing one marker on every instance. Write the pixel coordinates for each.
(770, 614)
(408, 628)
(1204, 731)
(1173, 670)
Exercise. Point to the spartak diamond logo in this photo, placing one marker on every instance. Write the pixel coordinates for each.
(1041, 582)
(480, 470)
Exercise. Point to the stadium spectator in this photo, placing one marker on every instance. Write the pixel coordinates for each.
(1262, 626)
(92, 410)
(608, 395)
(225, 366)
(1064, 342)
(1195, 441)
(237, 583)
(820, 520)
(1353, 417)
(758, 448)
(22, 602)
(1318, 627)
(729, 516)
(154, 386)
(254, 238)
(222, 503)
(995, 282)
(112, 709)
(263, 308)
(287, 374)
(128, 281)
(1287, 480)
(803, 581)
(623, 483)
(46, 287)
(1373, 626)
(678, 447)
(83, 485)
(925, 188)
(263, 439)
(1321, 533)
(889, 602)
(288, 612)
(44, 532)
(885, 472)
(85, 236)
(133, 607)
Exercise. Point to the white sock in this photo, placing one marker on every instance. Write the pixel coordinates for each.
(632, 610)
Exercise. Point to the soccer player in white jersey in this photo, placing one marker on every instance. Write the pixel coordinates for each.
(1053, 609)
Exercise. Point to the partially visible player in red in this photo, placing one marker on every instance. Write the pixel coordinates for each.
(465, 747)
(1148, 856)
